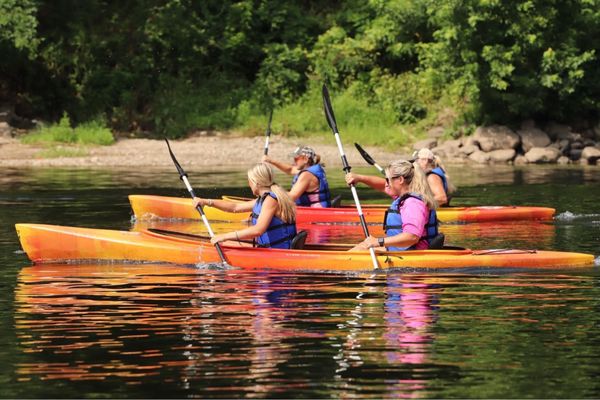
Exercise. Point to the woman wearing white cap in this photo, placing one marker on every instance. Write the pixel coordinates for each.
(436, 175)
(308, 189)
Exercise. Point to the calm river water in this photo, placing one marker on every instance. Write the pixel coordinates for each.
(161, 330)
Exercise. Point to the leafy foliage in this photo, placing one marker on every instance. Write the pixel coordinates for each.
(18, 24)
(173, 66)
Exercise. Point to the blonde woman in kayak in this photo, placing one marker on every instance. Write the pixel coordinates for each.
(438, 179)
(273, 215)
(309, 185)
(411, 221)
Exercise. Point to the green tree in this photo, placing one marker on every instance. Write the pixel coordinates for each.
(18, 24)
(517, 59)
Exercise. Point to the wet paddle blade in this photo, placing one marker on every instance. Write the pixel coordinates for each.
(179, 169)
(364, 154)
(329, 110)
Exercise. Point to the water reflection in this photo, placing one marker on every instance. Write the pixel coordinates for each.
(236, 333)
(168, 331)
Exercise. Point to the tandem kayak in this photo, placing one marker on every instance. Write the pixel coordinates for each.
(53, 244)
(147, 207)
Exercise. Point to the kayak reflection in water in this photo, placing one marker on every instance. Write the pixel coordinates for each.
(308, 189)
(273, 212)
(437, 178)
(411, 221)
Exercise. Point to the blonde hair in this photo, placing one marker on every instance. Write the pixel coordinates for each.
(434, 161)
(416, 179)
(316, 159)
(262, 176)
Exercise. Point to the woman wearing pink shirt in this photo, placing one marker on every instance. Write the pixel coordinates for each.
(411, 221)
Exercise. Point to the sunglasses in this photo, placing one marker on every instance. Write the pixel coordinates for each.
(387, 180)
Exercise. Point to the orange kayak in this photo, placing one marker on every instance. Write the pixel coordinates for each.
(51, 243)
(147, 207)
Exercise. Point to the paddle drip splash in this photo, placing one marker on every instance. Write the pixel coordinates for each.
(214, 266)
(597, 261)
(569, 216)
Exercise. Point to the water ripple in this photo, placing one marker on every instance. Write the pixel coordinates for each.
(232, 333)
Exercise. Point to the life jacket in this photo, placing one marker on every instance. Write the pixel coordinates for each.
(392, 224)
(320, 197)
(279, 234)
(440, 172)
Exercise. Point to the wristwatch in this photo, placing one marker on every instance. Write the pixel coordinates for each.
(381, 242)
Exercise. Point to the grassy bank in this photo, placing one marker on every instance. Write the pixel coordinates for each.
(364, 115)
(54, 136)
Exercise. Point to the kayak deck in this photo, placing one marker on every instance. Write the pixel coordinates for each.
(51, 243)
(148, 207)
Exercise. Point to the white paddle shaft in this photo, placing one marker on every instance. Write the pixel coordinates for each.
(204, 219)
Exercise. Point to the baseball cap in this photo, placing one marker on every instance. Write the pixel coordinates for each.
(423, 153)
(303, 151)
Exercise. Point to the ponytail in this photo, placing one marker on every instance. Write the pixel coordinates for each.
(286, 208)
(262, 176)
(316, 159)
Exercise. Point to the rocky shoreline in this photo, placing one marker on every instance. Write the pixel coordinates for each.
(555, 143)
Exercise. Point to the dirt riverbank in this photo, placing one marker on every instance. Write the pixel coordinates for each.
(195, 151)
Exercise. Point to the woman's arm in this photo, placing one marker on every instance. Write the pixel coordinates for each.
(403, 239)
(414, 217)
(437, 187)
(375, 182)
(303, 184)
(289, 169)
(268, 210)
(224, 205)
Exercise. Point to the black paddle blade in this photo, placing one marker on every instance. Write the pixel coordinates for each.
(268, 133)
(179, 169)
(364, 154)
(329, 110)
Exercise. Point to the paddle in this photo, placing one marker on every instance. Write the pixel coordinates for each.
(346, 167)
(368, 158)
(268, 133)
(183, 177)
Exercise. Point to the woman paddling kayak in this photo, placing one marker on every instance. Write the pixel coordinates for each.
(438, 179)
(411, 221)
(308, 189)
(273, 212)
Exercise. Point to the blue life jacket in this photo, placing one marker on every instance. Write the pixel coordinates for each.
(440, 172)
(279, 234)
(392, 224)
(322, 195)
